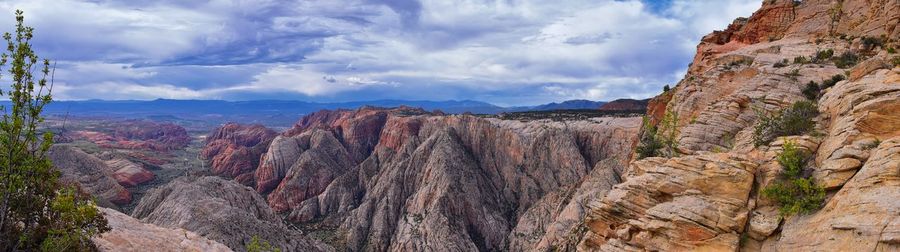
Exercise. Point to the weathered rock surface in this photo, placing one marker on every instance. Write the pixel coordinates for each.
(674, 205)
(233, 150)
(128, 173)
(709, 197)
(130, 234)
(221, 210)
(89, 172)
(404, 179)
(864, 215)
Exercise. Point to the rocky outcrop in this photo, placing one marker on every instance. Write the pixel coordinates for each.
(128, 173)
(129, 234)
(233, 150)
(708, 196)
(625, 105)
(221, 210)
(93, 175)
(404, 179)
(134, 135)
(863, 215)
(674, 205)
(153, 135)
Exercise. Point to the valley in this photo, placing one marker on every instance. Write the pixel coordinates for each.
(782, 135)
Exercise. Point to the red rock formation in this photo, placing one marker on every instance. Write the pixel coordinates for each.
(456, 177)
(656, 107)
(625, 104)
(128, 173)
(89, 172)
(234, 150)
(137, 135)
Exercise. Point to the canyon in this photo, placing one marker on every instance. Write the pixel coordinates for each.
(407, 179)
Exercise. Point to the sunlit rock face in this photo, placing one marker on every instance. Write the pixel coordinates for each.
(130, 234)
(405, 179)
(233, 150)
(708, 198)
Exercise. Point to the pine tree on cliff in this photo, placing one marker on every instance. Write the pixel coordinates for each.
(36, 211)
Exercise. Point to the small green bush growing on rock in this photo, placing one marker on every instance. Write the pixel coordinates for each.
(823, 55)
(649, 145)
(800, 60)
(811, 91)
(831, 82)
(794, 120)
(781, 64)
(871, 42)
(257, 245)
(659, 141)
(794, 193)
(846, 60)
(896, 61)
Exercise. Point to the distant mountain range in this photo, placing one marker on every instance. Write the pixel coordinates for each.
(272, 112)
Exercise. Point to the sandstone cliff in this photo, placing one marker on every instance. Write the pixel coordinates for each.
(233, 150)
(221, 210)
(708, 197)
(404, 179)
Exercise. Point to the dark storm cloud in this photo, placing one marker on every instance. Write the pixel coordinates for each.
(502, 51)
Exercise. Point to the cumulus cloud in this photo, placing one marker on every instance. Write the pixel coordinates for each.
(506, 52)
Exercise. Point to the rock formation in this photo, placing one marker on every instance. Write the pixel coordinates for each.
(128, 173)
(221, 210)
(405, 179)
(625, 105)
(134, 135)
(129, 234)
(708, 198)
(233, 150)
(89, 172)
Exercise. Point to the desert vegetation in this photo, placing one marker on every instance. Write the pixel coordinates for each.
(794, 120)
(793, 192)
(36, 212)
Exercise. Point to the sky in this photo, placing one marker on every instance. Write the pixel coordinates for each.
(506, 52)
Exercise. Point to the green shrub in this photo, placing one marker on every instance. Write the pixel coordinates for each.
(37, 211)
(666, 88)
(891, 50)
(781, 64)
(794, 120)
(831, 82)
(811, 91)
(649, 145)
(871, 42)
(800, 60)
(845, 60)
(261, 246)
(793, 192)
(659, 141)
(823, 55)
(896, 61)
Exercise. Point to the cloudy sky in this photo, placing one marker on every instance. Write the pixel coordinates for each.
(507, 52)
